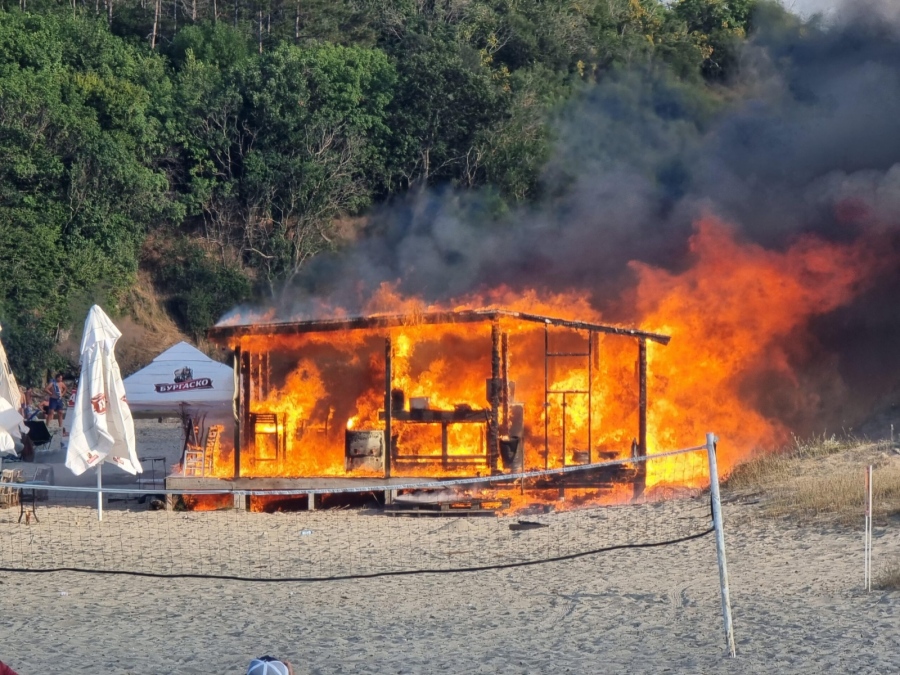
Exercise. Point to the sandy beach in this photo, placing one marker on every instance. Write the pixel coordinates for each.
(796, 592)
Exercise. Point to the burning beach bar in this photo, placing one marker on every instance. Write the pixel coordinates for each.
(393, 399)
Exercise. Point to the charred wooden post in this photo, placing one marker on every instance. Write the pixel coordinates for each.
(504, 375)
(237, 411)
(642, 422)
(640, 479)
(546, 396)
(247, 429)
(388, 407)
(590, 401)
(494, 430)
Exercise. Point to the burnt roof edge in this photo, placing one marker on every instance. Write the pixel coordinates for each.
(225, 333)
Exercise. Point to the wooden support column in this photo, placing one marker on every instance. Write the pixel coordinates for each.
(238, 422)
(494, 430)
(246, 428)
(546, 396)
(504, 376)
(590, 410)
(642, 414)
(388, 407)
(640, 479)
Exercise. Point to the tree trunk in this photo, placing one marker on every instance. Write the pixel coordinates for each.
(297, 24)
(215, 12)
(194, 11)
(259, 30)
(155, 23)
(109, 5)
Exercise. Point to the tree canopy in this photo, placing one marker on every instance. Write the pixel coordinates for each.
(222, 145)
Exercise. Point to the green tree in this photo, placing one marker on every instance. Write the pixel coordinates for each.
(78, 181)
(717, 27)
(442, 105)
(289, 141)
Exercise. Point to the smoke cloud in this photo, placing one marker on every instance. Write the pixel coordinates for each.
(811, 148)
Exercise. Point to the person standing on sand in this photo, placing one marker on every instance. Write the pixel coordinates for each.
(56, 404)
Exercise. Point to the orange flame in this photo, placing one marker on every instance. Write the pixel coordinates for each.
(737, 312)
(740, 311)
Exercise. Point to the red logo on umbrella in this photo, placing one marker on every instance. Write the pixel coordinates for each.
(100, 403)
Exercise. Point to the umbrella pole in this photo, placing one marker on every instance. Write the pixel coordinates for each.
(99, 493)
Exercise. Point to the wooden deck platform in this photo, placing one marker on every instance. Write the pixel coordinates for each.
(191, 483)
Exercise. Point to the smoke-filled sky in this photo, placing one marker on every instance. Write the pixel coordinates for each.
(811, 148)
(809, 7)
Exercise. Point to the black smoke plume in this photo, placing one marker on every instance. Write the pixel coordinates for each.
(808, 142)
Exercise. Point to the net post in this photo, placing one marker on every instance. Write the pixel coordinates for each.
(868, 533)
(720, 540)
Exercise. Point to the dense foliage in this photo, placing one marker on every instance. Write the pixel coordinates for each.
(220, 145)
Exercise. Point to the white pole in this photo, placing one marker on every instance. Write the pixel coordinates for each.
(720, 540)
(866, 532)
(869, 518)
(99, 492)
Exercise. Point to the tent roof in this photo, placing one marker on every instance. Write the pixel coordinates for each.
(183, 352)
(154, 389)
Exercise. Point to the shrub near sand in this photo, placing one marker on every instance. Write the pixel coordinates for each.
(822, 481)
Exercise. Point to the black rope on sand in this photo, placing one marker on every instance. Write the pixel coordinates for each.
(345, 577)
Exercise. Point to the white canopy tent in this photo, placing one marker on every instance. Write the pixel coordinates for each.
(180, 376)
(8, 387)
(12, 426)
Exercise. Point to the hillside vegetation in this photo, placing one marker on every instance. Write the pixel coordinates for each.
(216, 148)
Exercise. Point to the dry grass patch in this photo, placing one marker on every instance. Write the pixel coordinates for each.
(889, 578)
(821, 479)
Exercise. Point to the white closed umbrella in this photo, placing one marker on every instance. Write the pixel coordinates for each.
(8, 387)
(102, 429)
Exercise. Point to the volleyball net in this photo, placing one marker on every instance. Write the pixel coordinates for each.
(532, 518)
